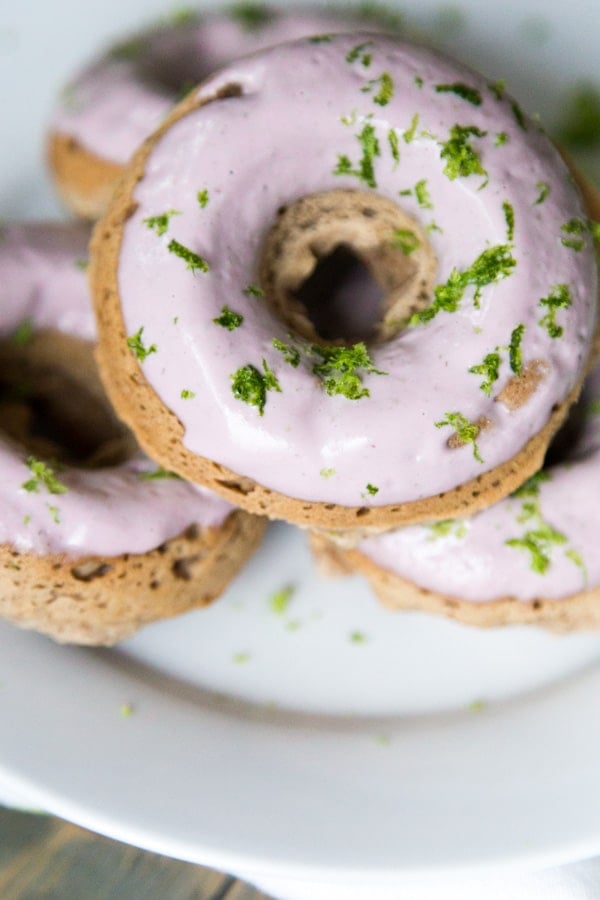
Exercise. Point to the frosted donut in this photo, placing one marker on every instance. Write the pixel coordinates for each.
(116, 102)
(88, 555)
(458, 205)
(531, 559)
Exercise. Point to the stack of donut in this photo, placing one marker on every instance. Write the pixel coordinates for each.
(347, 283)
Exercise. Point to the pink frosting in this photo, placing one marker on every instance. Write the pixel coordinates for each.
(105, 511)
(477, 559)
(117, 101)
(304, 106)
(43, 278)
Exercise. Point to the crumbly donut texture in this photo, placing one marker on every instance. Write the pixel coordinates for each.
(105, 541)
(444, 417)
(84, 181)
(100, 600)
(110, 107)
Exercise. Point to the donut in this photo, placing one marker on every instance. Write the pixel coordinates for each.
(530, 559)
(107, 110)
(463, 216)
(97, 545)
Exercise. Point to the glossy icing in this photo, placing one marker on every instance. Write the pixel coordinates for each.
(493, 554)
(117, 101)
(103, 511)
(303, 108)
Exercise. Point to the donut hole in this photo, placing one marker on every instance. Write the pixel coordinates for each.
(341, 298)
(53, 404)
(345, 265)
(575, 439)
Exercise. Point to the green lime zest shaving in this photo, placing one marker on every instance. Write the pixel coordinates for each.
(365, 171)
(158, 474)
(253, 290)
(359, 53)
(461, 158)
(136, 345)
(203, 197)
(290, 354)
(192, 260)
(501, 139)
(515, 350)
(544, 189)
(386, 88)
(55, 513)
(558, 298)
(341, 369)
(327, 473)
(394, 145)
(577, 559)
(251, 385)
(531, 487)
(464, 91)
(406, 240)
(422, 194)
(380, 14)
(491, 266)
(126, 51)
(490, 369)
(160, 223)
(371, 489)
(320, 39)
(251, 16)
(509, 218)
(411, 132)
(498, 88)
(280, 600)
(466, 431)
(229, 319)
(186, 394)
(519, 115)
(576, 227)
(358, 637)
(43, 476)
(447, 528)
(539, 541)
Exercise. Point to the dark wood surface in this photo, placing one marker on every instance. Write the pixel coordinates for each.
(45, 858)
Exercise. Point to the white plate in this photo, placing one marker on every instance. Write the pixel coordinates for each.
(336, 741)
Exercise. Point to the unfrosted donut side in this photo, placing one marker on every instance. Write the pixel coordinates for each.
(102, 600)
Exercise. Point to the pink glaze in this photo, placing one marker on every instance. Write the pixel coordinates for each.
(117, 101)
(302, 106)
(473, 559)
(104, 511)
(43, 278)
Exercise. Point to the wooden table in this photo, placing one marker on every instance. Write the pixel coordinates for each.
(45, 858)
